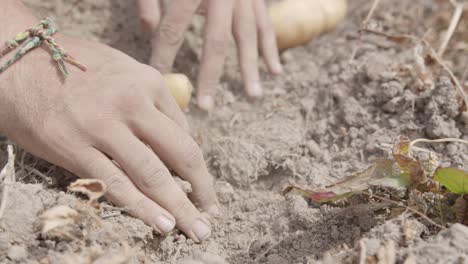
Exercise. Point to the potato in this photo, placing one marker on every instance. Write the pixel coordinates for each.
(296, 22)
(180, 87)
(335, 11)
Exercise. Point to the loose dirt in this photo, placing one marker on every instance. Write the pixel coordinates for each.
(323, 119)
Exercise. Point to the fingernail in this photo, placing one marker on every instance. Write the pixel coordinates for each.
(214, 210)
(201, 230)
(206, 102)
(277, 68)
(164, 224)
(255, 89)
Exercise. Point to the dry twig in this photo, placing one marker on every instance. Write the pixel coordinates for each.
(364, 24)
(268, 250)
(371, 12)
(363, 251)
(7, 176)
(399, 204)
(452, 26)
(404, 37)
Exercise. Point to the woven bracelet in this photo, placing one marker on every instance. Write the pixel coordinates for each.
(33, 38)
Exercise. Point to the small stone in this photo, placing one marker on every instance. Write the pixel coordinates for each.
(314, 148)
(335, 234)
(17, 253)
(452, 149)
(224, 191)
(276, 259)
(184, 185)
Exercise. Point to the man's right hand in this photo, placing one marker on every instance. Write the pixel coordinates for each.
(118, 123)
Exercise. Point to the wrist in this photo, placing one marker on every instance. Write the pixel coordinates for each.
(15, 79)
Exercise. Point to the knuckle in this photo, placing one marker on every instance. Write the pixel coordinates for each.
(149, 75)
(162, 65)
(96, 125)
(113, 181)
(170, 34)
(246, 36)
(138, 207)
(182, 208)
(266, 29)
(192, 157)
(157, 85)
(125, 94)
(98, 129)
(204, 193)
(150, 23)
(239, 35)
(129, 101)
(217, 45)
(155, 177)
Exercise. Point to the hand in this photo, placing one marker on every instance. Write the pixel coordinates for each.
(117, 123)
(251, 28)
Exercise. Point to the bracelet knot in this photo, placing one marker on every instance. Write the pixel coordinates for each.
(34, 37)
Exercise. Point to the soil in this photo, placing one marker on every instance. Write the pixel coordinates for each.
(341, 96)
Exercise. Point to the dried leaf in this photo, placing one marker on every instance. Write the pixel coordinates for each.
(320, 197)
(430, 165)
(454, 180)
(92, 188)
(57, 217)
(380, 174)
(7, 177)
(185, 186)
(7, 174)
(412, 168)
(461, 209)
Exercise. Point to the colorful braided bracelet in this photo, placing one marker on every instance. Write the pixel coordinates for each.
(33, 38)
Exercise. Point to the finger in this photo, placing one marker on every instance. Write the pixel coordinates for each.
(150, 175)
(267, 38)
(202, 8)
(245, 35)
(166, 103)
(150, 14)
(170, 34)
(180, 152)
(122, 192)
(218, 25)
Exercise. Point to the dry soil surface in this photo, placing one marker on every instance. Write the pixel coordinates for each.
(341, 96)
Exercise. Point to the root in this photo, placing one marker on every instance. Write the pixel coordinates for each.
(441, 140)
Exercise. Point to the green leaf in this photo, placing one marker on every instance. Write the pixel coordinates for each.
(454, 180)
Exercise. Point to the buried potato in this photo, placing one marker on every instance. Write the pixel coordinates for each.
(180, 87)
(298, 21)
